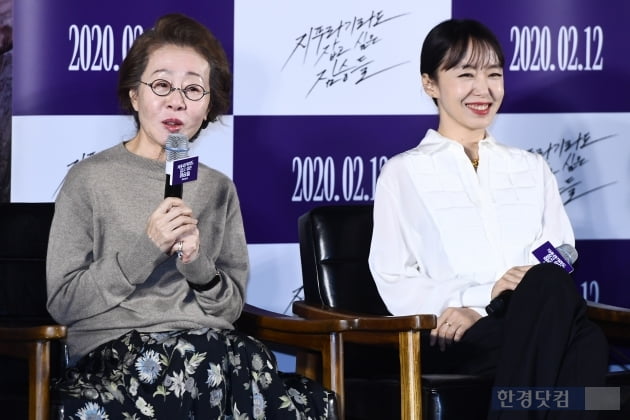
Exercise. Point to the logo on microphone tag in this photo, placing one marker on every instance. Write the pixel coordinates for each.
(183, 170)
(546, 253)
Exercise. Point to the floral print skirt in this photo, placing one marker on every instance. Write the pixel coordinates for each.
(192, 374)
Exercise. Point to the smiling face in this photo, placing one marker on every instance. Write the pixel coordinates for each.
(160, 116)
(468, 95)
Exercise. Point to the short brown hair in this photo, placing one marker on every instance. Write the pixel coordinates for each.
(180, 30)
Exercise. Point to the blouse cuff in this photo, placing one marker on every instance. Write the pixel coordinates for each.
(477, 296)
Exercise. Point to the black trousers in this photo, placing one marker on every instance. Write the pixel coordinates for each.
(543, 340)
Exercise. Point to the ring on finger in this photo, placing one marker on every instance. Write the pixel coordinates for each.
(180, 249)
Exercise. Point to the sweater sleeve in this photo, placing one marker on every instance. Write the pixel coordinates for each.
(79, 284)
(224, 253)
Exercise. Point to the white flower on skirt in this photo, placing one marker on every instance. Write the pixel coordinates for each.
(144, 407)
(215, 376)
(92, 411)
(177, 383)
(148, 366)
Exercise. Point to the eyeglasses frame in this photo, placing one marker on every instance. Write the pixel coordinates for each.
(173, 89)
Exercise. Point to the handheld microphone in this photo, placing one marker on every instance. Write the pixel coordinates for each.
(176, 148)
(564, 256)
(568, 252)
(498, 305)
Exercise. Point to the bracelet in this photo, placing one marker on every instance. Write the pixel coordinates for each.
(205, 287)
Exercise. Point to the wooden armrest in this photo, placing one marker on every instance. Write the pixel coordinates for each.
(289, 330)
(613, 320)
(401, 332)
(309, 311)
(601, 311)
(369, 329)
(397, 323)
(364, 322)
(32, 332)
(30, 339)
(322, 336)
(21, 339)
(261, 318)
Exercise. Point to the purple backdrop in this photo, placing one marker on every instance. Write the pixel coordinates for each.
(555, 50)
(64, 34)
(561, 57)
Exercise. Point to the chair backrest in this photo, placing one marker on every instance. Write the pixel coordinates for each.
(334, 249)
(24, 229)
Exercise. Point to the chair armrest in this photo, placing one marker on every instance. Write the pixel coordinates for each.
(289, 330)
(369, 329)
(18, 338)
(31, 340)
(613, 320)
(604, 312)
(323, 336)
(401, 332)
(365, 322)
(31, 330)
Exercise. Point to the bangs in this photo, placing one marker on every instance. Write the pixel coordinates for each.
(483, 54)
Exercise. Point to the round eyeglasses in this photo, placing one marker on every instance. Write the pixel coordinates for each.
(162, 87)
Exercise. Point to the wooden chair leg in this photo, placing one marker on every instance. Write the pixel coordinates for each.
(39, 380)
(410, 386)
(333, 371)
(329, 361)
(33, 344)
(308, 364)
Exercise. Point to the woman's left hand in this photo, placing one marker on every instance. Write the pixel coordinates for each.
(173, 228)
(187, 246)
(452, 324)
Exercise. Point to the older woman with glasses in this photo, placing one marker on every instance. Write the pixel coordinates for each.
(148, 286)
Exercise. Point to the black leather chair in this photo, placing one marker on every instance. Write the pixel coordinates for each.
(29, 338)
(31, 343)
(382, 373)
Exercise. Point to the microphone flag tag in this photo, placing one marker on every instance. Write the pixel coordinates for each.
(546, 253)
(182, 170)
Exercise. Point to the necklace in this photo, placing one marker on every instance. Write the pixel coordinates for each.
(475, 163)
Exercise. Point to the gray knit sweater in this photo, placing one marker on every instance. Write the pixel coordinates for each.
(106, 277)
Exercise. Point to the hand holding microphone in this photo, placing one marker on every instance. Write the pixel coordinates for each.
(171, 222)
(564, 256)
(172, 226)
(187, 247)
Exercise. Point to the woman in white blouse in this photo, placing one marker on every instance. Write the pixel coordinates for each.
(456, 220)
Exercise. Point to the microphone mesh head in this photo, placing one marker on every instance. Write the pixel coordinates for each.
(176, 147)
(568, 252)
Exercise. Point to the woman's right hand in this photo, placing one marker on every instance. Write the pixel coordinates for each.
(451, 326)
(509, 280)
(170, 220)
